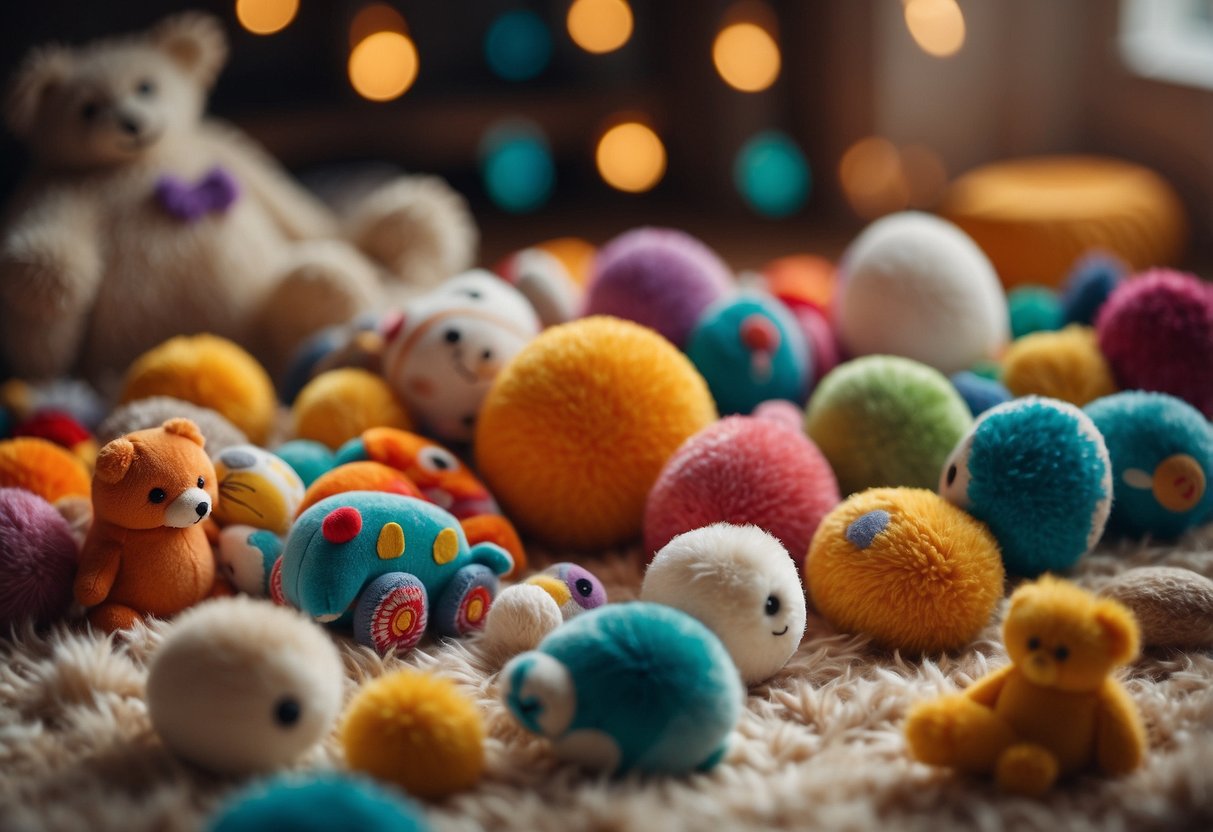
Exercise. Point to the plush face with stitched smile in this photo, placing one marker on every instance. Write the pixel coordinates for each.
(741, 583)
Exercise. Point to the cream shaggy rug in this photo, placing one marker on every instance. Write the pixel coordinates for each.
(819, 746)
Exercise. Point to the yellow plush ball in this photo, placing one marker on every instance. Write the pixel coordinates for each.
(577, 427)
(906, 567)
(1065, 365)
(338, 405)
(417, 731)
(208, 371)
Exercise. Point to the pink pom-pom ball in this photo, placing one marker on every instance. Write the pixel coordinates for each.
(743, 469)
(658, 277)
(1156, 331)
(37, 559)
(823, 342)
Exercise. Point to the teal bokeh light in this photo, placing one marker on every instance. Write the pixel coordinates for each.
(518, 45)
(772, 174)
(516, 167)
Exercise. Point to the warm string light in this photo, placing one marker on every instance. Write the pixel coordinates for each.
(265, 17)
(937, 26)
(631, 157)
(383, 61)
(599, 26)
(877, 178)
(745, 51)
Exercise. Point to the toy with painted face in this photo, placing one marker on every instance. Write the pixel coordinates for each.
(245, 557)
(444, 352)
(256, 488)
(545, 281)
(740, 582)
(524, 613)
(1037, 472)
(390, 565)
(580, 689)
(1162, 462)
(750, 349)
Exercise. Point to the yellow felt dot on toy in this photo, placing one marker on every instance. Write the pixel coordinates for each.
(1065, 365)
(906, 567)
(417, 731)
(338, 405)
(446, 546)
(577, 427)
(391, 542)
(1178, 483)
(208, 371)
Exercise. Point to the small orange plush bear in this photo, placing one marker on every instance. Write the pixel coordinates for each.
(1054, 710)
(147, 552)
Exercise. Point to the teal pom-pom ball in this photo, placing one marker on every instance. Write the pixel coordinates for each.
(1162, 462)
(1033, 309)
(886, 420)
(319, 803)
(1037, 472)
(309, 458)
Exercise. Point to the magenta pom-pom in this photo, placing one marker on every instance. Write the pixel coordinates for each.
(743, 469)
(1156, 331)
(661, 278)
(37, 559)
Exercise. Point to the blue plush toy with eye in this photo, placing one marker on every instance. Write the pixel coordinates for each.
(392, 566)
(1162, 462)
(629, 687)
(1037, 472)
(750, 350)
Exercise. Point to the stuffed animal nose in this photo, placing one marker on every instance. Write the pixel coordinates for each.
(759, 334)
(130, 125)
(201, 509)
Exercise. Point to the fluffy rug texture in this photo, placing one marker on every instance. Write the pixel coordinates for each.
(819, 746)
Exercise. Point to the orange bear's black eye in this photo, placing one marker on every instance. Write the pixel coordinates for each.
(156, 495)
(1033, 643)
(1062, 653)
(201, 482)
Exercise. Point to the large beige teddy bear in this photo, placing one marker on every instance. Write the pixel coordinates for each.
(142, 219)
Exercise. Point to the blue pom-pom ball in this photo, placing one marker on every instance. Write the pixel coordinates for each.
(749, 349)
(1162, 462)
(1037, 472)
(626, 687)
(319, 803)
(1087, 287)
(980, 393)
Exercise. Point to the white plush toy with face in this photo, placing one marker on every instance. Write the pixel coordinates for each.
(443, 355)
(741, 583)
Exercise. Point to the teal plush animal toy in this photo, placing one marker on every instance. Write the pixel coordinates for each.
(392, 566)
(626, 687)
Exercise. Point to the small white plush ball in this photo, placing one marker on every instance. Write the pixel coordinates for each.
(740, 582)
(519, 619)
(242, 686)
(917, 286)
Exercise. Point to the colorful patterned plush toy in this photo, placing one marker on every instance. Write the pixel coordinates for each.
(1037, 472)
(245, 558)
(1055, 710)
(392, 566)
(444, 352)
(256, 489)
(629, 687)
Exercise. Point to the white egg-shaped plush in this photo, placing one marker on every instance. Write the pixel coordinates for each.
(242, 686)
(917, 286)
(444, 352)
(740, 582)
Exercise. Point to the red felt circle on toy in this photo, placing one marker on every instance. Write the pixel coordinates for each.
(473, 609)
(341, 525)
(399, 619)
(276, 593)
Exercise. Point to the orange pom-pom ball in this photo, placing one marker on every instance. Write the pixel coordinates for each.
(338, 405)
(417, 731)
(358, 476)
(577, 427)
(44, 468)
(906, 567)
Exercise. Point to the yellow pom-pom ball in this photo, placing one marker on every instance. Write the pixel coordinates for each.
(906, 567)
(1065, 365)
(44, 468)
(338, 405)
(417, 731)
(208, 371)
(577, 427)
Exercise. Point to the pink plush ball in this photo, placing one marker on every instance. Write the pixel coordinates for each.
(658, 277)
(743, 469)
(37, 559)
(1156, 331)
(821, 337)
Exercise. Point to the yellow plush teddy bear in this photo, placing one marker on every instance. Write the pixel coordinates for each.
(1054, 710)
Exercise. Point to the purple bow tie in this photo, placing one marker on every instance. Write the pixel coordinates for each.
(189, 203)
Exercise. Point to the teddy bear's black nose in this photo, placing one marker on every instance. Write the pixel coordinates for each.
(202, 509)
(130, 125)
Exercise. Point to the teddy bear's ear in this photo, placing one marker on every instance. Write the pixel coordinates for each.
(187, 429)
(196, 43)
(1119, 629)
(114, 459)
(43, 71)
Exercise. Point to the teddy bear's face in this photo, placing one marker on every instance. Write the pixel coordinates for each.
(1062, 637)
(116, 101)
(156, 477)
